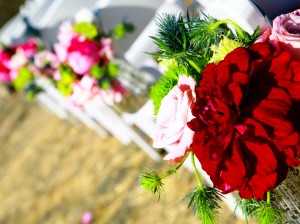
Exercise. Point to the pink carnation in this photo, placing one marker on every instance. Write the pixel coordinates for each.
(171, 128)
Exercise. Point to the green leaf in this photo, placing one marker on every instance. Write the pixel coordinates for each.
(65, 90)
(86, 29)
(23, 78)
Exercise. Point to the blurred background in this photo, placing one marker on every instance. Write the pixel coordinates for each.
(55, 171)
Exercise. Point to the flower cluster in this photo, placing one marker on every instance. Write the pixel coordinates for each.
(230, 99)
(16, 68)
(81, 64)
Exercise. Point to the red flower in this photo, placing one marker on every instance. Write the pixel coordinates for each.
(246, 128)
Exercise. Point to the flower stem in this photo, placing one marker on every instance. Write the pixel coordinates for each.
(228, 21)
(173, 170)
(200, 183)
(268, 197)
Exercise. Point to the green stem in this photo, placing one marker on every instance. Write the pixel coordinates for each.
(268, 197)
(174, 170)
(228, 21)
(200, 183)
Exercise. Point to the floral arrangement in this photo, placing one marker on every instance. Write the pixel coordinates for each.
(81, 65)
(229, 99)
(16, 68)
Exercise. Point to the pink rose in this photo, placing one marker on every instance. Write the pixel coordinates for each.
(286, 33)
(82, 54)
(171, 128)
(83, 91)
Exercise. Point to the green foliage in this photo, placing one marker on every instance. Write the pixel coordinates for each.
(86, 29)
(120, 30)
(112, 70)
(97, 71)
(23, 78)
(31, 90)
(267, 214)
(247, 39)
(65, 90)
(67, 78)
(105, 84)
(151, 182)
(166, 82)
(247, 206)
(261, 211)
(204, 202)
(204, 33)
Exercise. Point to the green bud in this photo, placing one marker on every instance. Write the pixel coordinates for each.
(105, 84)
(151, 182)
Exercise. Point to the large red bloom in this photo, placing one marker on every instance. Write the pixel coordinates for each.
(247, 120)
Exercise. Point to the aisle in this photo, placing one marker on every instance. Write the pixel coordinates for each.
(52, 172)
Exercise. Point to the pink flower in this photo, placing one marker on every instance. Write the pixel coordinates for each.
(264, 36)
(60, 51)
(171, 128)
(83, 91)
(18, 60)
(82, 54)
(29, 47)
(86, 218)
(4, 66)
(286, 33)
(65, 33)
(106, 48)
(112, 95)
(44, 58)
